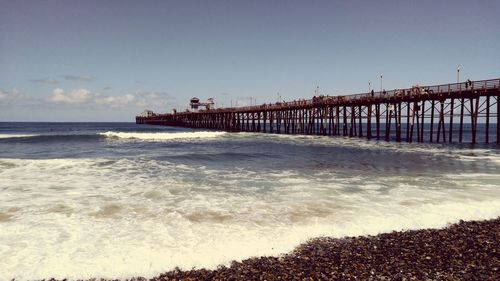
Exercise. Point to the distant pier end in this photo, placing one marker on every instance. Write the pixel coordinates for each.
(448, 113)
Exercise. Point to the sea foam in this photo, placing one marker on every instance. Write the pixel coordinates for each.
(119, 218)
(10, 136)
(162, 136)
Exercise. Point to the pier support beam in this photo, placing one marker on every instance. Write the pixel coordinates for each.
(369, 122)
(498, 118)
(432, 121)
(487, 129)
(450, 139)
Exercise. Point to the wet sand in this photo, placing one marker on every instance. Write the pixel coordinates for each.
(463, 251)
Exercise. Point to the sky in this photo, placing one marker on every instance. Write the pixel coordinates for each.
(109, 60)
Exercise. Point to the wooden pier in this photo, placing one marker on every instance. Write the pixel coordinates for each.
(449, 113)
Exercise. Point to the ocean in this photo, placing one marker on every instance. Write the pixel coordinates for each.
(117, 200)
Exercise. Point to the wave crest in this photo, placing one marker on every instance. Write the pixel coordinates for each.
(12, 136)
(162, 136)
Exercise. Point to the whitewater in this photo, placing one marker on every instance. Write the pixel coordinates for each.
(118, 200)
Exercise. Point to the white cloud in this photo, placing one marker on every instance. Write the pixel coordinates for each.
(79, 96)
(14, 96)
(116, 101)
(85, 97)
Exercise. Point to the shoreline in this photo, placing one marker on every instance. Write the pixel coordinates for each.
(462, 251)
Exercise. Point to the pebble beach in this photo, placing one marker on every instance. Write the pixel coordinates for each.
(463, 251)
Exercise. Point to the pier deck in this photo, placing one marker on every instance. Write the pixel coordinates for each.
(448, 113)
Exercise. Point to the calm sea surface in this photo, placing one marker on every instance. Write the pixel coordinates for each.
(116, 200)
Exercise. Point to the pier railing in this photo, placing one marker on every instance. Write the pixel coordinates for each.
(415, 91)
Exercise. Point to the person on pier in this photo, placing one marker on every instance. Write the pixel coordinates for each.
(468, 84)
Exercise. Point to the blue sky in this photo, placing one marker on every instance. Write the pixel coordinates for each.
(109, 60)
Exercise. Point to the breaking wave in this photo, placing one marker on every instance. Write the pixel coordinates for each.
(13, 136)
(162, 136)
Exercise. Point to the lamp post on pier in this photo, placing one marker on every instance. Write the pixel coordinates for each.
(381, 83)
(458, 74)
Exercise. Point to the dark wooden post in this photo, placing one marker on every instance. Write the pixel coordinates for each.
(472, 120)
(388, 114)
(369, 122)
(330, 120)
(345, 121)
(432, 121)
(377, 119)
(450, 139)
(360, 133)
(408, 122)
(460, 130)
(498, 116)
(441, 122)
(399, 122)
(337, 124)
(258, 121)
(487, 129)
(422, 113)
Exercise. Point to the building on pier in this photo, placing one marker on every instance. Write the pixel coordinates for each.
(196, 105)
